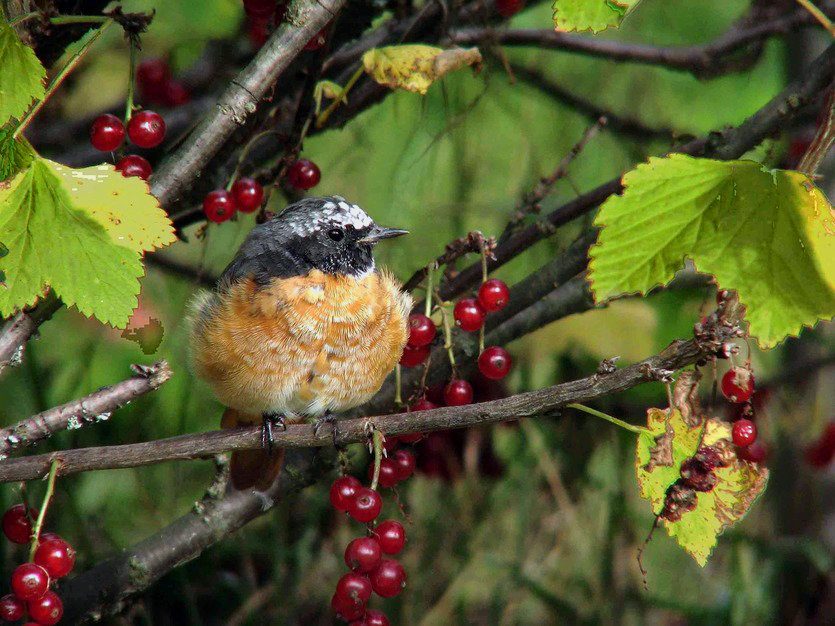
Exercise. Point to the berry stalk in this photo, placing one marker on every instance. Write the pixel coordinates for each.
(50, 490)
(586, 409)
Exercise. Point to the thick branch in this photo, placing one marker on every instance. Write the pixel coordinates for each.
(707, 59)
(90, 409)
(16, 333)
(679, 354)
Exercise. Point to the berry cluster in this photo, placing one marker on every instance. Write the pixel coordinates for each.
(364, 556)
(145, 129)
(696, 475)
(157, 86)
(53, 559)
(494, 362)
(738, 386)
(245, 196)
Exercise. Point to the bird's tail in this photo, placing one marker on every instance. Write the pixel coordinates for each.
(251, 469)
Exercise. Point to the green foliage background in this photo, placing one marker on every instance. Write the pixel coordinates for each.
(553, 538)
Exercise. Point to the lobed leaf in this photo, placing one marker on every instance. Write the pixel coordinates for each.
(414, 67)
(21, 75)
(593, 15)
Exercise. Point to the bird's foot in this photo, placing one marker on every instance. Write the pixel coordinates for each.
(271, 420)
(328, 418)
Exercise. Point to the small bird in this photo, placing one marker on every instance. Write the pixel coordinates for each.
(302, 324)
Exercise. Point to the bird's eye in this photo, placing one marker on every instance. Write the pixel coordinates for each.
(336, 234)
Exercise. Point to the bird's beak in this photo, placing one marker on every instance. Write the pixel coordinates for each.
(378, 232)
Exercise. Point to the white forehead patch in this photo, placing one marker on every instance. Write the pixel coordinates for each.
(330, 213)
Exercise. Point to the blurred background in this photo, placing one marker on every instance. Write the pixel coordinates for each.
(536, 522)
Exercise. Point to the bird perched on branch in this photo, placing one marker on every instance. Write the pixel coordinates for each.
(301, 324)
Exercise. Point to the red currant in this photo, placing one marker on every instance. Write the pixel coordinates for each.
(146, 129)
(506, 8)
(346, 610)
(303, 174)
(411, 437)
(354, 588)
(820, 453)
(468, 314)
(259, 8)
(365, 505)
(413, 356)
(363, 554)
(47, 609)
(388, 579)
(258, 33)
(391, 535)
(744, 432)
(248, 194)
(421, 330)
(421, 405)
(29, 581)
(404, 464)
(458, 393)
(343, 491)
(390, 442)
(388, 473)
(174, 94)
(11, 608)
(372, 617)
(16, 524)
(493, 295)
(755, 453)
(56, 556)
(219, 206)
(134, 165)
(107, 132)
(738, 384)
(494, 362)
(318, 40)
(152, 75)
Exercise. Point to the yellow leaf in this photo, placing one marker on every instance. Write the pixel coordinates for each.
(415, 67)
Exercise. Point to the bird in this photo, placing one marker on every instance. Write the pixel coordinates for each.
(301, 325)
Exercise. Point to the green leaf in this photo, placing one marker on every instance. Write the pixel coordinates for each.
(414, 67)
(594, 15)
(716, 510)
(79, 232)
(21, 75)
(14, 155)
(768, 234)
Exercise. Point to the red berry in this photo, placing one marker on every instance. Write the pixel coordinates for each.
(346, 610)
(421, 330)
(372, 617)
(494, 362)
(174, 94)
(820, 453)
(421, 405)
(388, 473)
(388, 579)
(258, 33)
(390, 443)
(107, 132)
(146, 129)
(413, 356)
(363, 554)
(738, 384)
(365, 505)
(152, 75)
(29, 581)
(56, 556)
(16, 524)
(47, 609)
(506, 8)
(744, 432)
(353, 588)
(343, 491)
(248, 194)
(468, 314)
(411, 437)
(219, 206)
(391, 535)
(318, 40)
(11, 608)
(134, 165)
(404, 463)
(303, 174)
(458, 393)
(755, 453)
(493, 295)
(259, 8)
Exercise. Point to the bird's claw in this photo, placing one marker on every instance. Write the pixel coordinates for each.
(270, 420)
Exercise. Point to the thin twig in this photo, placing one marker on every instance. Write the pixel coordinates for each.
(819, 15)
(90, 409)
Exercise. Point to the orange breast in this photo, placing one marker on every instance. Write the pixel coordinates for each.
(303, 345)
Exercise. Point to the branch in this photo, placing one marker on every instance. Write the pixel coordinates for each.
(242, 97)
(202, 445)
(701, 60)
(90, 409)
(17, 331)
(187, 272)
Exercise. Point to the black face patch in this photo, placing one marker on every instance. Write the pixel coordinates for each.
(314, 233)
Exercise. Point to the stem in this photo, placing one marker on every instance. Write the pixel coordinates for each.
(59, 78)
(244, 154)
(429, 269)
(50, 489)
(320, 121)
(818, 15)
(78, 19)
(398, 399)
(630, 427)
(22, 18)
(448, 339)
(134, 51)
(377, 437)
